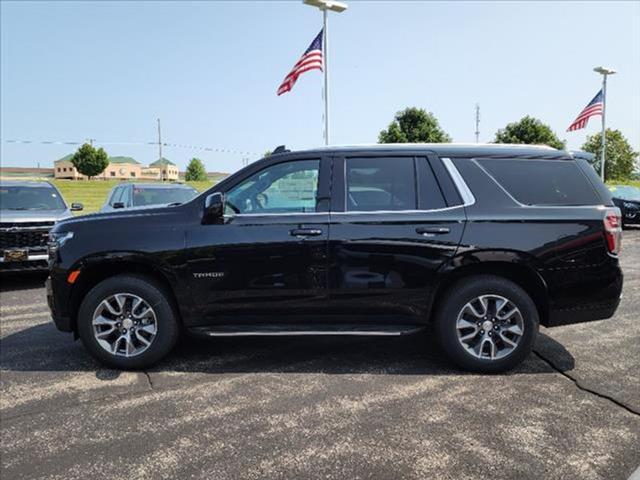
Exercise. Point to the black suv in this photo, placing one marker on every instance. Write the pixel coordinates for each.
(483, 243)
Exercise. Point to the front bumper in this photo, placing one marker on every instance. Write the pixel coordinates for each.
(35, 262)
(631, 217)
(62, 322)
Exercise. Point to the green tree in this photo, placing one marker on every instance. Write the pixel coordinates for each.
(620, 159)
(531, 131)
(267, 153)
(195, 171)
(89, 161)
(414, 125)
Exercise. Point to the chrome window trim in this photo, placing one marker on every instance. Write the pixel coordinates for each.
(358, 212)
(364, 212)
(465, 192)
(283, 214)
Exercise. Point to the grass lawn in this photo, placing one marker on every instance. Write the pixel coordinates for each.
(93, 193)
(635, 183)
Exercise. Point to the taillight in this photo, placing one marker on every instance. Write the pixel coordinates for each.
(613, 231)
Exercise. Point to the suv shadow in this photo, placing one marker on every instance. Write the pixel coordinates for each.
(36, 349)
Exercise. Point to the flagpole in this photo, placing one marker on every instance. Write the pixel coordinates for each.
(604, 72)
(325, 6)
(325, 47)
(604, 109)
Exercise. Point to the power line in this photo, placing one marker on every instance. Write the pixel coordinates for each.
(161, 144)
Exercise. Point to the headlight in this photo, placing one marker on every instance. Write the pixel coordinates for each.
(630, 206)
(60, 238)
(57, 240)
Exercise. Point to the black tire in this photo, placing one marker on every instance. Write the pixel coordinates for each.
(465, 291)
(166, 320)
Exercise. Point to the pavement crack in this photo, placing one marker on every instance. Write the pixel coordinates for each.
(586, 389)
(149, 381)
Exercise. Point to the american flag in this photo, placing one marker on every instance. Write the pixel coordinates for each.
(311, 60)
(593, 108)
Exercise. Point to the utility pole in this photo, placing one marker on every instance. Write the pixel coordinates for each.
(477, 122)
(159, 141)
(91, 140)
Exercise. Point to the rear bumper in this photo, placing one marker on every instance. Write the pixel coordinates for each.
(586, 313)
(596, 297)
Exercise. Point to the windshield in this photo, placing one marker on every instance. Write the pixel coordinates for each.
(161, 196)
(30, 198)
(625, 192)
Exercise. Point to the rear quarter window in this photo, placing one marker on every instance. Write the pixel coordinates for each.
(543, 182)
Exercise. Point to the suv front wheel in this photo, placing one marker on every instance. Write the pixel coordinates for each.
(127, 322)
(487, 324)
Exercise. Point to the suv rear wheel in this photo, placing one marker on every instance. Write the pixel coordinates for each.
(127, 322)
(487, 324)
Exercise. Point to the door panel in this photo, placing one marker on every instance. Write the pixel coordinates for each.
(388, 264)
(259, 266)
(384, 262)
(269, 256)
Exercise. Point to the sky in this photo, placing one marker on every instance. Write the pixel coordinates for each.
(70, 71)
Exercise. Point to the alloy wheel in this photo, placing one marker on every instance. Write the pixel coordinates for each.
(490, 327)
(124, 324)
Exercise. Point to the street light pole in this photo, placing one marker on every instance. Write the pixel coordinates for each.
(325, 6)
(604, 72)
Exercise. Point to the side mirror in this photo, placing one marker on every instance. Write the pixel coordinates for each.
(118, 205)
(213, 208)
(76, 207)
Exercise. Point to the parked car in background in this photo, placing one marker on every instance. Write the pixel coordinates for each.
(627, 199)
(134, 195)
(483, 242)
(28, 210)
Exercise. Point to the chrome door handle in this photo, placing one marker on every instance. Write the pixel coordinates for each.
(429, 231)
(305, 232)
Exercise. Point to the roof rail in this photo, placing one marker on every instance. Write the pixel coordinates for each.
(588, 156)
(280, 149)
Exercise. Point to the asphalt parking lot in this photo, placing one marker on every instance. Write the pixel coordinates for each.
(320, 408)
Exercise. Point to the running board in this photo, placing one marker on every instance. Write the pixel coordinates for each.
(301, 330)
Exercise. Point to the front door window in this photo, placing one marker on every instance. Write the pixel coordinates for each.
(289, 187)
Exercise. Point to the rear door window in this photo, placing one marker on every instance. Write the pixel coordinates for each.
(543, 182)
(380, 183)
(430, 195)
